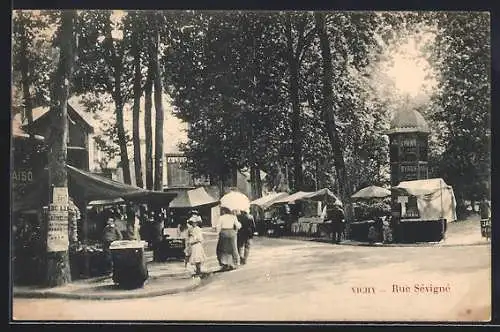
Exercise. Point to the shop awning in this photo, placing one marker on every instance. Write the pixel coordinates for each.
(90, 187)
(94, 187)
(192, 198)
(85, 187)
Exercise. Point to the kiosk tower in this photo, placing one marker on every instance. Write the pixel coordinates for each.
(408, 146)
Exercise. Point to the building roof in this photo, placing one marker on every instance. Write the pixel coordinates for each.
(408, 121)
(76, 109)
(17, 130)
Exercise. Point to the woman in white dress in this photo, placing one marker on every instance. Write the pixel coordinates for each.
(195, 240)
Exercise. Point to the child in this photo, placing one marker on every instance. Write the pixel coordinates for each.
(183, 231)
(195, 240)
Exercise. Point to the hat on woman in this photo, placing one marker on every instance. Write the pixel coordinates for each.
(195, 212)
(194, 219)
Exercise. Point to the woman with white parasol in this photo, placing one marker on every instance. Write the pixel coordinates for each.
(227, 227)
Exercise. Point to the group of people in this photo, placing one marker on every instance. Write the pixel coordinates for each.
(235, 230)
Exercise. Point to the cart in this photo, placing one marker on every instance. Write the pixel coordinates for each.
(169, 248)
(486, 228)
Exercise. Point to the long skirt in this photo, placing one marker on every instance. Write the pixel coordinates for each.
(227, 248)
(197, 254)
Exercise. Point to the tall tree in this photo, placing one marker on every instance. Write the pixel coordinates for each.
(298, 24)
(115, 56)
(58, 269)
(233, 93)
(137, 101)
(148, 128)
(463, 101)
(32, 65)
(158, 90)
(328, 114)
(104, 66)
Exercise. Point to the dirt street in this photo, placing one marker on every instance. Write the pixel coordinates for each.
(297, 281)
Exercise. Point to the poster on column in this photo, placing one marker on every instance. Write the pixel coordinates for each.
(57, 236)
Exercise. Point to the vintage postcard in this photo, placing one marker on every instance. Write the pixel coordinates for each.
(251, 166)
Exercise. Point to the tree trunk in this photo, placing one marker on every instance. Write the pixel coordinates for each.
(122, 141)
(158, 89)
(148, 104)
(256, 182)
(119, 103)
(136, 113)
(296, 130)
(328, 108)
(293, 65)
(25, 75)
(58, 268)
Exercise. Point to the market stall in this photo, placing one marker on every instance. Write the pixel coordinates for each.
(306, 213)
(198, 199)
(423, 209)
(372, 208)
(172, 245)
(263, 211)
(83, 188)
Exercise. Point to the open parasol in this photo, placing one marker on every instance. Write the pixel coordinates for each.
(234, 200)
(372, 192)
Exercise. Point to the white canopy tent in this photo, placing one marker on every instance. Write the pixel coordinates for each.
(266, 201)
(435, 198)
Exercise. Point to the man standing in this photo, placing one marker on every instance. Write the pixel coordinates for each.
(335, 214)
(245, 234)
(484, 209)
(110, 234)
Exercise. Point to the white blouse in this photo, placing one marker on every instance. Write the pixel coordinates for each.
(228, 221)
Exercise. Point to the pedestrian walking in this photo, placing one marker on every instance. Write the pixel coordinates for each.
(245, 234)
(195, 239)
(110, 234)
(183, 232)
(227, 247)
(485, 209)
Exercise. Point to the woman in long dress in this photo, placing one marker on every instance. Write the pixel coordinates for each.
(195, 240)
(227, 248)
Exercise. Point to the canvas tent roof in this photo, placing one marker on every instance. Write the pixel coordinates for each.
(322, 194)
(291, 198)
(94, 187)
(420, 187)
(266, 201)
(192, 198)
(435, 199)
